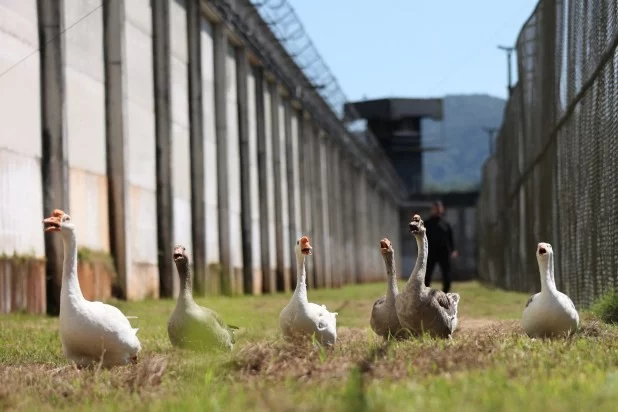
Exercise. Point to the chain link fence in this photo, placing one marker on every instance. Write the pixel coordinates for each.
(554, 175)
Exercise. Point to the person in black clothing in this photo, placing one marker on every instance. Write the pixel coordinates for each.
(441, 246)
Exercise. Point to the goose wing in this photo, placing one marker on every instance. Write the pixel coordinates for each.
(217, 318)
(449, 305)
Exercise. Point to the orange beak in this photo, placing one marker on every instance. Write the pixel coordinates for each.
(305, 247)
(53, 221)
(385, 244)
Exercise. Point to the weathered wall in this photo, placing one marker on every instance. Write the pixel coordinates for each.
(21, 209)
(282, 177)
(254, 187)
(210, 153)
(301, 176)
(85, 124)
(269, 214)
(233, 166)
(181, 163)
(140, 150)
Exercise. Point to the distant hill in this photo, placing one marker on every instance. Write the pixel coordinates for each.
(467, 145)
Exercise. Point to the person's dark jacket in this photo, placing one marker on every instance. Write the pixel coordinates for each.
(439, 236)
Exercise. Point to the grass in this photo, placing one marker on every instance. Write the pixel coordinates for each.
(606, 308)
(489, 365)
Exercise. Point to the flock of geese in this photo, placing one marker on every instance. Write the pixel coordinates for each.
(94, 332)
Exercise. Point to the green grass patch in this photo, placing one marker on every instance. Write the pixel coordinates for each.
(489, 365)
(606, 308)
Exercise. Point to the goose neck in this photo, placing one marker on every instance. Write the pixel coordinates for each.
(186, 285)
(71, 291)
(417, 278)
(546, 269)
(300, 292)
(391, 291)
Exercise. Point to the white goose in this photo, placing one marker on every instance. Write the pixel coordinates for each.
(419, 308)
(90, 332)
(548, 313)
(300, 317)
(384, 320)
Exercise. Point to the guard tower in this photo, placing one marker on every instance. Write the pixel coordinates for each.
(396, 123)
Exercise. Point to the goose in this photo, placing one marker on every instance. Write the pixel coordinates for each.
(421, 309)
(90, 332)
(384, 320)
(300, 317)
(192, 326)
(548, 313)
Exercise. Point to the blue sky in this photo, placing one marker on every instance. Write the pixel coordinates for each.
(415, 48)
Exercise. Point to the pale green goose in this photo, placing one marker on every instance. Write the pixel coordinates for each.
(421, 309)
(192, 326)
(384, 320)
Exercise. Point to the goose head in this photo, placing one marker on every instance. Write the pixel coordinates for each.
(417, 227)
(303, 247)
(386, 248)
(58, 222)
(543, 252)
(180, 254)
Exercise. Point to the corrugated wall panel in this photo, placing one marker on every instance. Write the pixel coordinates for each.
(254, 187)
(323, 238)
(141, 150)
(181, 160)
(233, 152)
(89, 209)
(210, 144)
(21, 230)
(285, 196)
(270, 213)
(297, 189)
(363, 223)
(85, 114)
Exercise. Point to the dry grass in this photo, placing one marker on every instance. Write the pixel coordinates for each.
(490, 364)
(68, 384)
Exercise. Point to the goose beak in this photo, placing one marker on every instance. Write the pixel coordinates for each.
(305, 247)
(385, 245)
(415, 224)
(179, 253)
(542, 251)
(53, 222)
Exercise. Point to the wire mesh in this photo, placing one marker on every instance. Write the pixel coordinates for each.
(553, 175)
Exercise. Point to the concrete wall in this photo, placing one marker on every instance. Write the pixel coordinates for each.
(307, 185)
(254, 190)
(210, 151)
(269, 214)
(181, 163)
(233, 164)
(21, 230)
(85, 124)
(284, 195)
(140, 151)
(296, 196)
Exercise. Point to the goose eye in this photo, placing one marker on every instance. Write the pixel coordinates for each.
(297, 242)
